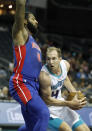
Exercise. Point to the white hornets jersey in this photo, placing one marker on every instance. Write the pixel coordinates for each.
(63, 112)
(56, 85)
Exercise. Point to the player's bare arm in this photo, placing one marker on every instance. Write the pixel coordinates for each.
(67, 82)
(45, 91)
(70, 87)
(19, 33)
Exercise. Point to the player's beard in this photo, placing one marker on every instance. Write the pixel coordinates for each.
(32, 28)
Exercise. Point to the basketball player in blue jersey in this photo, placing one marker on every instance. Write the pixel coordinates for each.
(24, 84)
(52, 77)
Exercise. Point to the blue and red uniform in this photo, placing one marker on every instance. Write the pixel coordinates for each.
(24, 85)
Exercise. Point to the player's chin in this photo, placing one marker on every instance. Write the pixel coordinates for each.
(52, 70)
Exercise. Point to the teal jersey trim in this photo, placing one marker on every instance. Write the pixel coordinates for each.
(58, 76)
(78, 123)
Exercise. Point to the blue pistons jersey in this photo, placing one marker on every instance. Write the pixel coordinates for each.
(27, 66)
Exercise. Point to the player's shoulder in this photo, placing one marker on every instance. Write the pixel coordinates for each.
(20, 37)
(67, 64)
(44, 77)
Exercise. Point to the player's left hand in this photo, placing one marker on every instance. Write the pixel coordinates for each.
(76, 104)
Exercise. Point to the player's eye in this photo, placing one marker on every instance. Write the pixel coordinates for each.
(54, 58)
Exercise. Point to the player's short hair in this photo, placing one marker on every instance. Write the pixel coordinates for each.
(49, 49)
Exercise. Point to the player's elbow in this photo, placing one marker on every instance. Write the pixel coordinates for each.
(46, 99)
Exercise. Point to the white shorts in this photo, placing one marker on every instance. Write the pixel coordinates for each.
(65, 114)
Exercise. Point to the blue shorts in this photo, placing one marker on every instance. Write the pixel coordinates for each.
(55, 123)
(34, 110)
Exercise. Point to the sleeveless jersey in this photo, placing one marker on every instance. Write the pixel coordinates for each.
(56, 85)
(27, 59)
(27, 66)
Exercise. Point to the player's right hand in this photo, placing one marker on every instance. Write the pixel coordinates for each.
(77, 104)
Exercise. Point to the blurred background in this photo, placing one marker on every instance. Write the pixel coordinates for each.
(66, 24)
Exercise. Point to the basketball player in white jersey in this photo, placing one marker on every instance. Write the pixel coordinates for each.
(52, 77)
